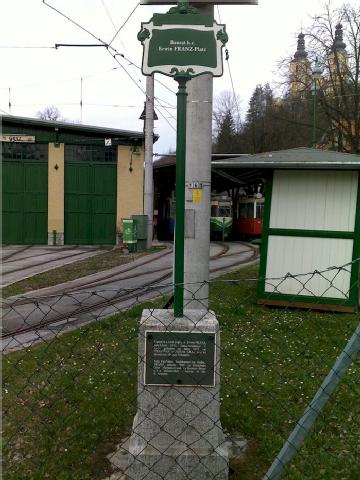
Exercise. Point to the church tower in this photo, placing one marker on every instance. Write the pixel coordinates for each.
(338, 58)
(300, 69)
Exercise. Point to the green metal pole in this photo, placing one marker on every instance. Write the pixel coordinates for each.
(314, 116)
(180, 197)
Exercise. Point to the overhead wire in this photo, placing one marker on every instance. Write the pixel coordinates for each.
(227, 57)
(123, 25)
(114, 55)
(27, 47)
(107, 45)
(116, 34)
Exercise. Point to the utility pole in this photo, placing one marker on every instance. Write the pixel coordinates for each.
(148, 174)
(198, 171)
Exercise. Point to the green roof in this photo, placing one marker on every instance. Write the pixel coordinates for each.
(69, 128)
(299, 158)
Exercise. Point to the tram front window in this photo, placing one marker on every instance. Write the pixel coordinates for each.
(214, 209)
(224, 212)
(260, 210)
(247, 210)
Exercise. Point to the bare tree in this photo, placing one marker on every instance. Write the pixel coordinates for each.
(225, 104)
(49, 113)
(334, 38)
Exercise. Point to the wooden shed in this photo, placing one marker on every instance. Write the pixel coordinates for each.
(311, 224)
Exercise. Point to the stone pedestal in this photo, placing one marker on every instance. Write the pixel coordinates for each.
(177, 433)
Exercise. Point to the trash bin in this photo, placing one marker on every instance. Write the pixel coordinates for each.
(129, 234)
(141, 228)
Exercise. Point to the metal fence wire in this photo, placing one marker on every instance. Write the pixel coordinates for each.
(93, 389)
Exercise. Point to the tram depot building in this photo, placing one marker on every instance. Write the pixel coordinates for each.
(311, 222)
(73, 184)
(66, 183)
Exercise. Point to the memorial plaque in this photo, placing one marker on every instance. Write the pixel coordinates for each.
(180, 358)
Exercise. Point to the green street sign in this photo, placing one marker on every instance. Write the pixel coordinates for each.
(176, 43)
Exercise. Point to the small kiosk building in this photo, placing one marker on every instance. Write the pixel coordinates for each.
(311, 224)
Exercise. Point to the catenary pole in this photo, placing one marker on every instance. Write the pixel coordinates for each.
(148, 174)
(198, 169)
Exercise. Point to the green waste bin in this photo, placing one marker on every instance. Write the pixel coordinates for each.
(141, 227)
(129, 234)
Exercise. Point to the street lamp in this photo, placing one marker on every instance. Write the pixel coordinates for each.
(316, 75)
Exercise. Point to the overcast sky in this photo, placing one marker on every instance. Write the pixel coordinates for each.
(259, 36)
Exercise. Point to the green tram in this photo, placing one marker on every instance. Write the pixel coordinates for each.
(221, 218)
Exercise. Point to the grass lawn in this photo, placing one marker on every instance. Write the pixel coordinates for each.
(72, 271)
(67, 403)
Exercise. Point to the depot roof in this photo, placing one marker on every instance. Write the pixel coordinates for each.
(294, 158)
(10, 121)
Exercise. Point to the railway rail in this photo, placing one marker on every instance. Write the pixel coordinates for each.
(58, 259)
(22, 249)
(120, 299)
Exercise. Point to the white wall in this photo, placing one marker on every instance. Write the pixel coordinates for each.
(314, 200)
(301, 255)
(311, 200)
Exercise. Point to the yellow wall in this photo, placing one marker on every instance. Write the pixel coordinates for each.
(56, 188)
(300, 77)
(130, 185)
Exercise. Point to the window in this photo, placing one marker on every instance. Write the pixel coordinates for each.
(214, 209)
(259, 210)
(90, 153)
(25, 151)
(224, 211)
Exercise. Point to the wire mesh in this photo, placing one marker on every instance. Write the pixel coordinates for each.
(87, 394)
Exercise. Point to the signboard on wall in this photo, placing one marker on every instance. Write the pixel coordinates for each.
(16, 138)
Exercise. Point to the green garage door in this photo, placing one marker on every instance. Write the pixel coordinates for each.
(90, 203)
(25, 202)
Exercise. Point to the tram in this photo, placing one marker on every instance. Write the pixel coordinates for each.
(249, 217)
(221, 217)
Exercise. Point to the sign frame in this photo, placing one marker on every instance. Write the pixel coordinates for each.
(180, 25)
(204, 2)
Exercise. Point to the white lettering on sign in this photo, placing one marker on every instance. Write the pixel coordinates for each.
(182, 46)
(18, 138)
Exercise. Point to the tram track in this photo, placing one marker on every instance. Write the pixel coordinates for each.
(41, 254)
(40, 264)
(120, 297)
(4, 259)
(111, 277)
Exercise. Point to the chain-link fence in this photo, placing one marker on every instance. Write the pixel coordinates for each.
(107, 384)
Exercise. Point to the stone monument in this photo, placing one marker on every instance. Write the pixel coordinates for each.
(176, 432)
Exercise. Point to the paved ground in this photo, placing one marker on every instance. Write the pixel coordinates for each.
(19, 262)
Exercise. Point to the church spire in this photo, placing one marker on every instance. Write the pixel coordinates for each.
(339, 44)
(300, 52)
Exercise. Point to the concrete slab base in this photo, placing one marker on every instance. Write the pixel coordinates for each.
(236, 445)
